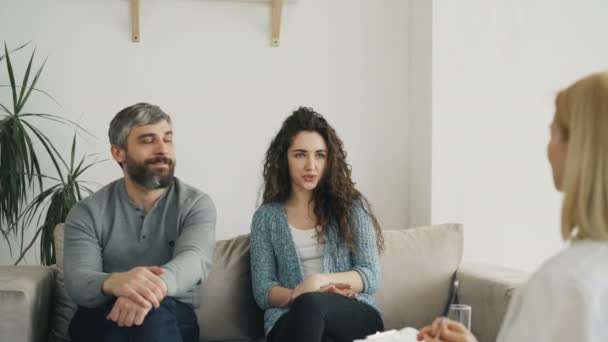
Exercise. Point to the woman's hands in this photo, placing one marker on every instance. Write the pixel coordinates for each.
(312, 283)
(445, 330)
(339, 288)
(282, 297)
(320, 282)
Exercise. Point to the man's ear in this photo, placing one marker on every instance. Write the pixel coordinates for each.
(118, 153)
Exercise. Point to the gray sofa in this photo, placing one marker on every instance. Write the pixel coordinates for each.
(416, 270)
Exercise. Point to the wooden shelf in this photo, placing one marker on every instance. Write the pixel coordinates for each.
(277, 12)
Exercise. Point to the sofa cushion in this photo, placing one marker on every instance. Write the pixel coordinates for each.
(228, 311)
(417, 267)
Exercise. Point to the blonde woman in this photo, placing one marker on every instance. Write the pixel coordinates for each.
(567, 298)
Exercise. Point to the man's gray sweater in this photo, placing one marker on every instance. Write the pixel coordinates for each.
(107, 232)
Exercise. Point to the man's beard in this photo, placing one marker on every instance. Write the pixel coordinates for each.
(150, 179)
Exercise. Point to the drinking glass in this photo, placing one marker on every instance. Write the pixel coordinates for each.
(460, 313)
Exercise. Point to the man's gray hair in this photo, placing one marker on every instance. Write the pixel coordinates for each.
(136, 115)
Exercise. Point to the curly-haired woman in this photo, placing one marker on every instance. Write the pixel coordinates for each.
(314, 240)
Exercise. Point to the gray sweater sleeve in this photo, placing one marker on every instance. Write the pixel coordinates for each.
(83, 264)
(193, 254)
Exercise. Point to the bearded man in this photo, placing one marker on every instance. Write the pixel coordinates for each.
(137, 250)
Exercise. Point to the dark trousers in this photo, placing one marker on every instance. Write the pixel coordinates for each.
(326, 317)
(172, 321)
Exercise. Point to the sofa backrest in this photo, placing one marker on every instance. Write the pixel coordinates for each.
(416, 267)
(228, 311)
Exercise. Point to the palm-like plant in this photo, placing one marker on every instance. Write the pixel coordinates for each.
(20, 170)
(18, 161)
(57, 200)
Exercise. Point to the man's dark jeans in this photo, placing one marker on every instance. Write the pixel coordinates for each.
(173, 321)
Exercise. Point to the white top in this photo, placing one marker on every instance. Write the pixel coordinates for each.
(566, 300)
(309, 250)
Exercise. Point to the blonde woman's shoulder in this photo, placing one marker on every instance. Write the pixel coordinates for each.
(565, 300)
(580, 262)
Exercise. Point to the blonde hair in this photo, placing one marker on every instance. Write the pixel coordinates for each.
(582, 118)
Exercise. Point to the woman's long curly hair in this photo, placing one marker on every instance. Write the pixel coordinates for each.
(335, 194)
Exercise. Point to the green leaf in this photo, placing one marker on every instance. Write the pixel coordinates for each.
(36, 90)
(25, 80)
(11, 77)
(78, 194)
(32, 86)
(74, 171)
(50, 148)
(5, 109)
(87, 189)
(35, 204)
(17, 164)
(33, 167)
(24, 251)
(72, 157)
(59, 119)
(15, 49)
(8, 241)
(78, 173)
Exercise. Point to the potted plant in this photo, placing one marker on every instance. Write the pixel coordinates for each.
(20, 171)
(54, 203)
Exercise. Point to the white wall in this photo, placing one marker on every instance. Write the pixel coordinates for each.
(420, 112)
(497, 66)
(486, 70)
(210, 65)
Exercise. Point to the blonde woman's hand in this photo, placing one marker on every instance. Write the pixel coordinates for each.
(445, 330)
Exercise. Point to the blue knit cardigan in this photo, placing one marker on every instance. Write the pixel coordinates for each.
(274, 261)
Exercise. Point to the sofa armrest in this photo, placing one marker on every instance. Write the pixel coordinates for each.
(25, 301)
(488, 289)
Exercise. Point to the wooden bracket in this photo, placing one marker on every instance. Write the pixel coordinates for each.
(135, 36)
(277, 9)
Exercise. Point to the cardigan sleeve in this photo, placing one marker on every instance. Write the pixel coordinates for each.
(365, 258)
(263, 262)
